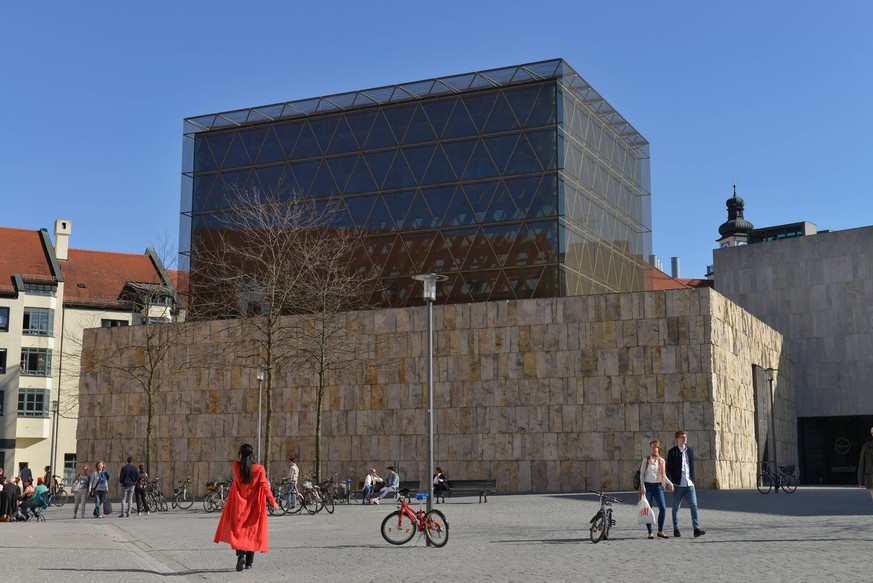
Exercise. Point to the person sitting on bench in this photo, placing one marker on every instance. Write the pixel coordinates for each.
(392, 485)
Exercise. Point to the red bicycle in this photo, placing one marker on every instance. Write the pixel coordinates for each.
(401, 525)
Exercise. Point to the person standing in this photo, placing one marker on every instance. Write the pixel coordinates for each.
(25, 474)
(128, 478)
(293, 476)
(680, 471)
(99, 487)
(392, 484)
(653, 482)
(243, 523)
(440, 484)
(81, 485)
(139, 491)
(865, 466)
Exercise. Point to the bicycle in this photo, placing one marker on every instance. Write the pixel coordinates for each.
(217, 496)
(182, 498)
(603, 518)
(59, 494)
(327, 495)
(285, 499)
(279, 490)
(401, 525)
(155, 497)
(767, 479)
(312, 499)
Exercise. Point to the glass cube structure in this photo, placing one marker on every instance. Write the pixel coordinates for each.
(515, 183)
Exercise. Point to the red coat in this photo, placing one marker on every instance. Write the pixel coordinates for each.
(243, 522)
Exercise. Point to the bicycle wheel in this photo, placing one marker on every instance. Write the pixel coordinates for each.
(185, 500)
(163, 501)
(398, 528)
(765, 483)
(209, 502)
(788, 483)
(328, 502)
(296, 508)
(60, 498)
(436, 528)
(598, 528)
(313, 502)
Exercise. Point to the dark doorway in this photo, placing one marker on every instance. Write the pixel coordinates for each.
(829, 448)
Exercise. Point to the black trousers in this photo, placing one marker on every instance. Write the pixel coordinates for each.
(249, 555)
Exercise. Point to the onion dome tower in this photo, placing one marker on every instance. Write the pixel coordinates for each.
(735, 231)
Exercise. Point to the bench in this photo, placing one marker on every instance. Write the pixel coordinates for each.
(480, 487)
(408, 488)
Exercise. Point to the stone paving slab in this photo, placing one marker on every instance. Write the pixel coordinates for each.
(811, 535)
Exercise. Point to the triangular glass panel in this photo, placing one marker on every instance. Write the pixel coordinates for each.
(480, 82)
(458, 212)
(380, 135)
(454, 288)
(481, 255)
(459, 154)
(544, 110)
(546, 69)
(325, 105)
(418, 159)
(419, 129)
(236, 154)
(398, 119)
(522, 100)
(360, 208)
(202, 189)
(271, 112)
(502, 238)
(481, 165)
(379, 164)
(398, 263)
(500, 76)
(502, 288)
(343, 139)
(460, 124)
(420, 89)
(378, 249)
(523, 250)
(304, 174)
(439, 258)
(343, 100)
(458, 242)
(545, 236)
(381, 95)
(360, 123)
(479, 195)
(324, 128)
(380, 220)
(360, 180)
(307, 145)
(459, 82)
(237, 117)
(271, 181)
(438, 112)
(323, 185)
(438, 200)
(342, 219)
(271, 150)
(479, 105)
(203, 160)
(419, 215)
(252, 139)
(342, 168)
(502, 118)
(479, 284)
(288, 134)
(501, 148)
(502, 207)
(398, 205)
(400, 175)
(440, 170)
(523, 191)
(235, 185)
(521, 75)
(418, 246)
(361, 100)
(547, 286)
(544, 203)
(523, 159)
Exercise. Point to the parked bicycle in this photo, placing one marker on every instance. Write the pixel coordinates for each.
(155, 497)
(218, 490)
(326, 489)
(312, 499)
(603, 519)
(58, 494)
(279, 490)
(401, 525)
(768, 479)
(182, 498)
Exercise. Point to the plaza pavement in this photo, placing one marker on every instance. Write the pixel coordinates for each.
(815, 534)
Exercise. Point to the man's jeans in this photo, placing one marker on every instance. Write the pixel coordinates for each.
(688, 492)
(127, 500)
(291, 496)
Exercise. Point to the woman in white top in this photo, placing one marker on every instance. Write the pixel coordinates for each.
(653, 482)
(370, 485)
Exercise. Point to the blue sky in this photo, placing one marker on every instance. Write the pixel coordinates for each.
(775, 94)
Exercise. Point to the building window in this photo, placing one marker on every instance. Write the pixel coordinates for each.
(40, 289)
(39, 321)
(2, 361)
(36, 362)
(106, 323)
(69, 468)
(33, 402)
(4, 319)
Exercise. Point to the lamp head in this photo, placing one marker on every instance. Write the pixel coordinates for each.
(429, 280)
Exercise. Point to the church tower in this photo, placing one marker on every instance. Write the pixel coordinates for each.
(735, 231)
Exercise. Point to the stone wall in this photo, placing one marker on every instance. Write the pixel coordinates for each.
(544, 395)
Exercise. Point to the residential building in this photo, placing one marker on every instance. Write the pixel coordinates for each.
(515, 183)
(50, 293)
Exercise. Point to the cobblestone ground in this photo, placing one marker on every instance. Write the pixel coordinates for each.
(814, 534)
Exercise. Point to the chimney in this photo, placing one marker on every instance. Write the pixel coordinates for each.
(674, 267)
(62, 238)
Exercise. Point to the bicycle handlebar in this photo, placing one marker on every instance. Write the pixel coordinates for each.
(608, 497)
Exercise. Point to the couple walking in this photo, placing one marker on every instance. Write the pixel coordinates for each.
(676, 475)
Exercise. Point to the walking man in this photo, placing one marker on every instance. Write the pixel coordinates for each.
(128, 478)
(865, 466)
(680, 471)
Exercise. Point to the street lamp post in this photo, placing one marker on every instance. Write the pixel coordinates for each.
(262, 374)
(54, 440)
(771, 376)
(429, 280)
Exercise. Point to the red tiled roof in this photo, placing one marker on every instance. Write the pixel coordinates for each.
(21, 252)
(657, 280)
(180, 281)
(98, 277)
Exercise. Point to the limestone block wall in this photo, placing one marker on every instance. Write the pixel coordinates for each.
(543, 395)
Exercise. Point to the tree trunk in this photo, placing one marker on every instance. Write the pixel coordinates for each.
(148, 448)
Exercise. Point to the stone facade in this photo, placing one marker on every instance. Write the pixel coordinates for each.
(544, 395)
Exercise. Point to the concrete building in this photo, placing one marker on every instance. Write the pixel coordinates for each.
(552, 394)
(49, 294)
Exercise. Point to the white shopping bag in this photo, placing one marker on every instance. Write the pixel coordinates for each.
(644, 512)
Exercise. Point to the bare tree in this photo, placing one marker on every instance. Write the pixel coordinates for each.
(266, 259)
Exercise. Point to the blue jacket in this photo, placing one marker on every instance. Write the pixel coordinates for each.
(394, 481)
(673, 467)
(129, 476)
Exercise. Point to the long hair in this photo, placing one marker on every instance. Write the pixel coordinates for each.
(246, 459)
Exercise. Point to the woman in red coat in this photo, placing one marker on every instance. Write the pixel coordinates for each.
(243, 522)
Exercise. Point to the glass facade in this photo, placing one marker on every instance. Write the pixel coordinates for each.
(515, 183)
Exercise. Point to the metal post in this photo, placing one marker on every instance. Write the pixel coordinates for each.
(261, 376)
(54, 440)
(771, 373)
